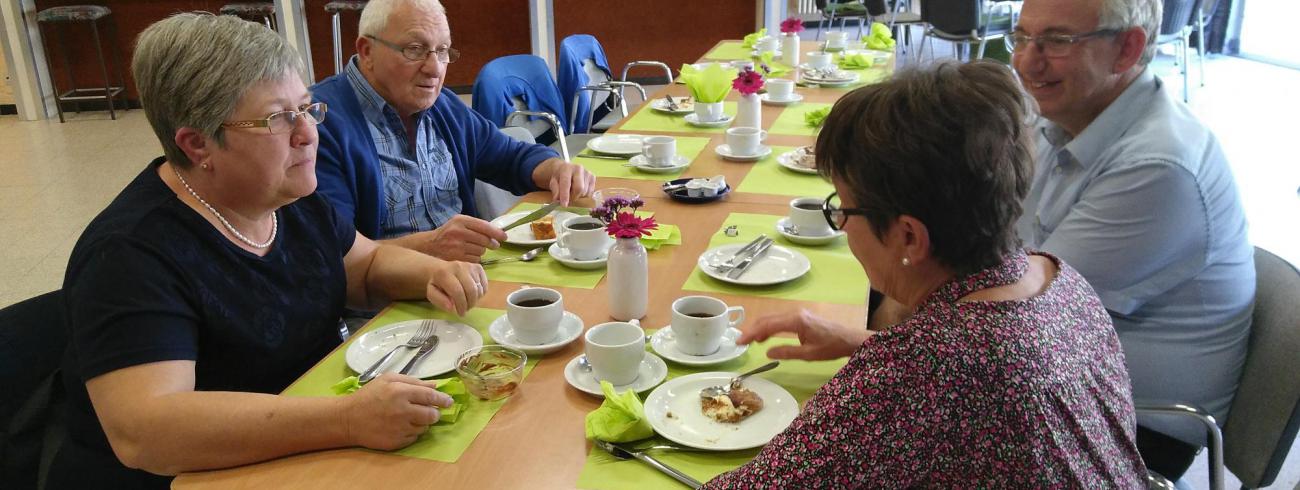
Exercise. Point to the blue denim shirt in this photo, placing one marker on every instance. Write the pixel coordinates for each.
(420, 189)
(1144, 205)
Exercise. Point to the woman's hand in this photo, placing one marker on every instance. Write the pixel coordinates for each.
(818, 339)
(456, 286)
(392, 411)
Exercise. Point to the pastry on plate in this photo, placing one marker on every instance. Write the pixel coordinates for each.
(732, 407)
(804, 157)
(543, 228)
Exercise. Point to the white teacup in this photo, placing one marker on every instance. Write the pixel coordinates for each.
(806, 214)
(820, 59)
(615, 351)
(659, 151)
(535, 314)
(780, 89)
(708, 111)
(836, 39)
(700, 321)
(745, 141)
(584, 238)
(767, 43)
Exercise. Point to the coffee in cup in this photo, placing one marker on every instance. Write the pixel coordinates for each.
(744, 141)
(584, 238)
(700, 321)
(615, 351)
(535, 314)
(659, 151)
(806, 214)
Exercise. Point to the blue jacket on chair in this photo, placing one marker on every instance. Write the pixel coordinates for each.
(521, 75)
(574, 50)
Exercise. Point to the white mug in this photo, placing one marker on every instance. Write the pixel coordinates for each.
(615, 351)
(806, 214)
(836, 39)
(535, 314)
(584, 238)
(780, 89)
(659, 151)
(708, 111)
(699, 322)
(767, 43)
(745, 141)
(819, 59)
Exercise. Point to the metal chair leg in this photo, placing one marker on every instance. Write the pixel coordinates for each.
(1200, 45)
(338, 46)
(1186, 85)
(103, 70)
(58, 104)
(119, 68)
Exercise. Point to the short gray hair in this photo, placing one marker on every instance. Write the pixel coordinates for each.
(374, 18)
(1126, 14)
(192, 69)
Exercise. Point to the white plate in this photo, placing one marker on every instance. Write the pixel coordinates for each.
(504, 334)
(523, 234)
(806, 239)
(653, 371)
(759, 54)
(690, 427)
(777, 265)
(724, 151)
(684, 105)
(665, 344)
(794, 99)
(694, 120)
(562, 256)
(788, 160)
(453, 340)
(639, 162)
(616, 144)
(831, 82)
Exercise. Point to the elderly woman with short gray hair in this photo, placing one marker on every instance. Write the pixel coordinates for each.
(218, 276)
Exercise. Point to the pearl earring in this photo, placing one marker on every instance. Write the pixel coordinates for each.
(907, 261)
(204, 165)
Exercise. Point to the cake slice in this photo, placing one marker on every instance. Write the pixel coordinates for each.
(543, 228)
(733, 407)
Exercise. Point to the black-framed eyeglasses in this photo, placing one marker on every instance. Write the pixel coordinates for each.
(837, 216)
(1055, 45)
(420, 52)
(284, 121)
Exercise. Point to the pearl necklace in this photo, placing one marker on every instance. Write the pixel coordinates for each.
(275, 225)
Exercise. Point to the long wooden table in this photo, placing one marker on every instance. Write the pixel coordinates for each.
(536, 440)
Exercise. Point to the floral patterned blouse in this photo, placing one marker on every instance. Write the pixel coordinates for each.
(1026, 394)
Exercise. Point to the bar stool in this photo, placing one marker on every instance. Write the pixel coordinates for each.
(91, 14)
(334, 8)
(252, 10)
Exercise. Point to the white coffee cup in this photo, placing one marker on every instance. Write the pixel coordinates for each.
(659, 151)
(584, 238)
(836, 39)
(806, 214)
(745, 141)
(820, 59)
(615, 351)
(699, 322)
(780, 89)
(535, 314)
(708, 111)
(767, 43)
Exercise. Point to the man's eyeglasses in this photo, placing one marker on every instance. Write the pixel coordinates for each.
(420, 52)
(284, 121)
(1055, 45)
(836, 216)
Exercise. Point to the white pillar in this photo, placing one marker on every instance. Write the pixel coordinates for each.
(770, 15)
(291, 20)
(25, 55)
(541, 17)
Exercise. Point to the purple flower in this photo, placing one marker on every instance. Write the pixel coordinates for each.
(749, 82)
(792, 25)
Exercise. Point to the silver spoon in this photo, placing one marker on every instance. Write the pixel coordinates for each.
(713, 391)
(526, 257)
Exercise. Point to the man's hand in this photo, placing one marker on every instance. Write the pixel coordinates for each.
(392, 411)
(818, 339)
(456, 286)
(566, 181)
(462, 238)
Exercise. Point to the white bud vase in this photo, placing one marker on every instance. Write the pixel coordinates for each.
(749, 112)
(790, 49)
(629, 279)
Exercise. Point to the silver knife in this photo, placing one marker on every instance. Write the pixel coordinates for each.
(603, 157)
(425, 349)
(622, 453)
(672, 106)
(740, 268)
(741, 254)
(533, 216)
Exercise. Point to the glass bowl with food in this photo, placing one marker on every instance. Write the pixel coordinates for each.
(491, 372)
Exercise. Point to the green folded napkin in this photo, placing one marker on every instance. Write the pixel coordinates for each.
(774, 68)
(451, 386)
(621, 418)
(815, 118)
(880, 38)
(665, 234)
(750, 39)
(855, 61)
(708, 85)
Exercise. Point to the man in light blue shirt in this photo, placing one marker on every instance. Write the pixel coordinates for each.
(1136, 194)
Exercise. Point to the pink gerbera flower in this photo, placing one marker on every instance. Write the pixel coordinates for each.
(628, 225)
(792, 25)
(749, 82)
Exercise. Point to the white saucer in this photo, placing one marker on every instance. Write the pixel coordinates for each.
(562, 256)
(806, 239)
(777, 265)
(639, 162)
(504, 334)
(787, 160)
(453, 340)
(694, 120)
(724, 151)
(653, 371)
(665, 345)
(776, 53)
(794, 99)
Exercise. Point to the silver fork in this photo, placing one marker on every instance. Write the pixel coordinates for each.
(736, 258)
(421, 335)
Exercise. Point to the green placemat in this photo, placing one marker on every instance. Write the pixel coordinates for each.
(687, 146)
(836, 277)
(648, 119)
(791, 120)
(800, 378)
(730, 50)
(769, 177)
(442, 442)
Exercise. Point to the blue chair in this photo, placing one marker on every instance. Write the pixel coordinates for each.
(588, 87)
(521, 85)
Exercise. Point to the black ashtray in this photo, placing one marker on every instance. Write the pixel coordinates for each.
(680, 193)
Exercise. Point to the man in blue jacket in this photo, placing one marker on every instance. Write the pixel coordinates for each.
(399, 153)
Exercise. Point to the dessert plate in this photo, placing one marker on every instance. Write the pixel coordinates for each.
(616, 144)
(790, 160)
(777, 265)
(453, 339)
(685, 105)
(673, 410)
(522, 235)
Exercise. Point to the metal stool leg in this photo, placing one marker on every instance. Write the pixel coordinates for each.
(119, 68)
(338, 47)
(49, 61)
(103, 70)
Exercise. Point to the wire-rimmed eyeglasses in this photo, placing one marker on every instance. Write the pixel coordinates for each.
(284, 121)
(420, 52)
(1055, 45)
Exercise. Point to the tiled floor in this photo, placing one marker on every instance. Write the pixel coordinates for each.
(55, 177)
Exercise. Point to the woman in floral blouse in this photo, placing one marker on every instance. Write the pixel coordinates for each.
(987, 366)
